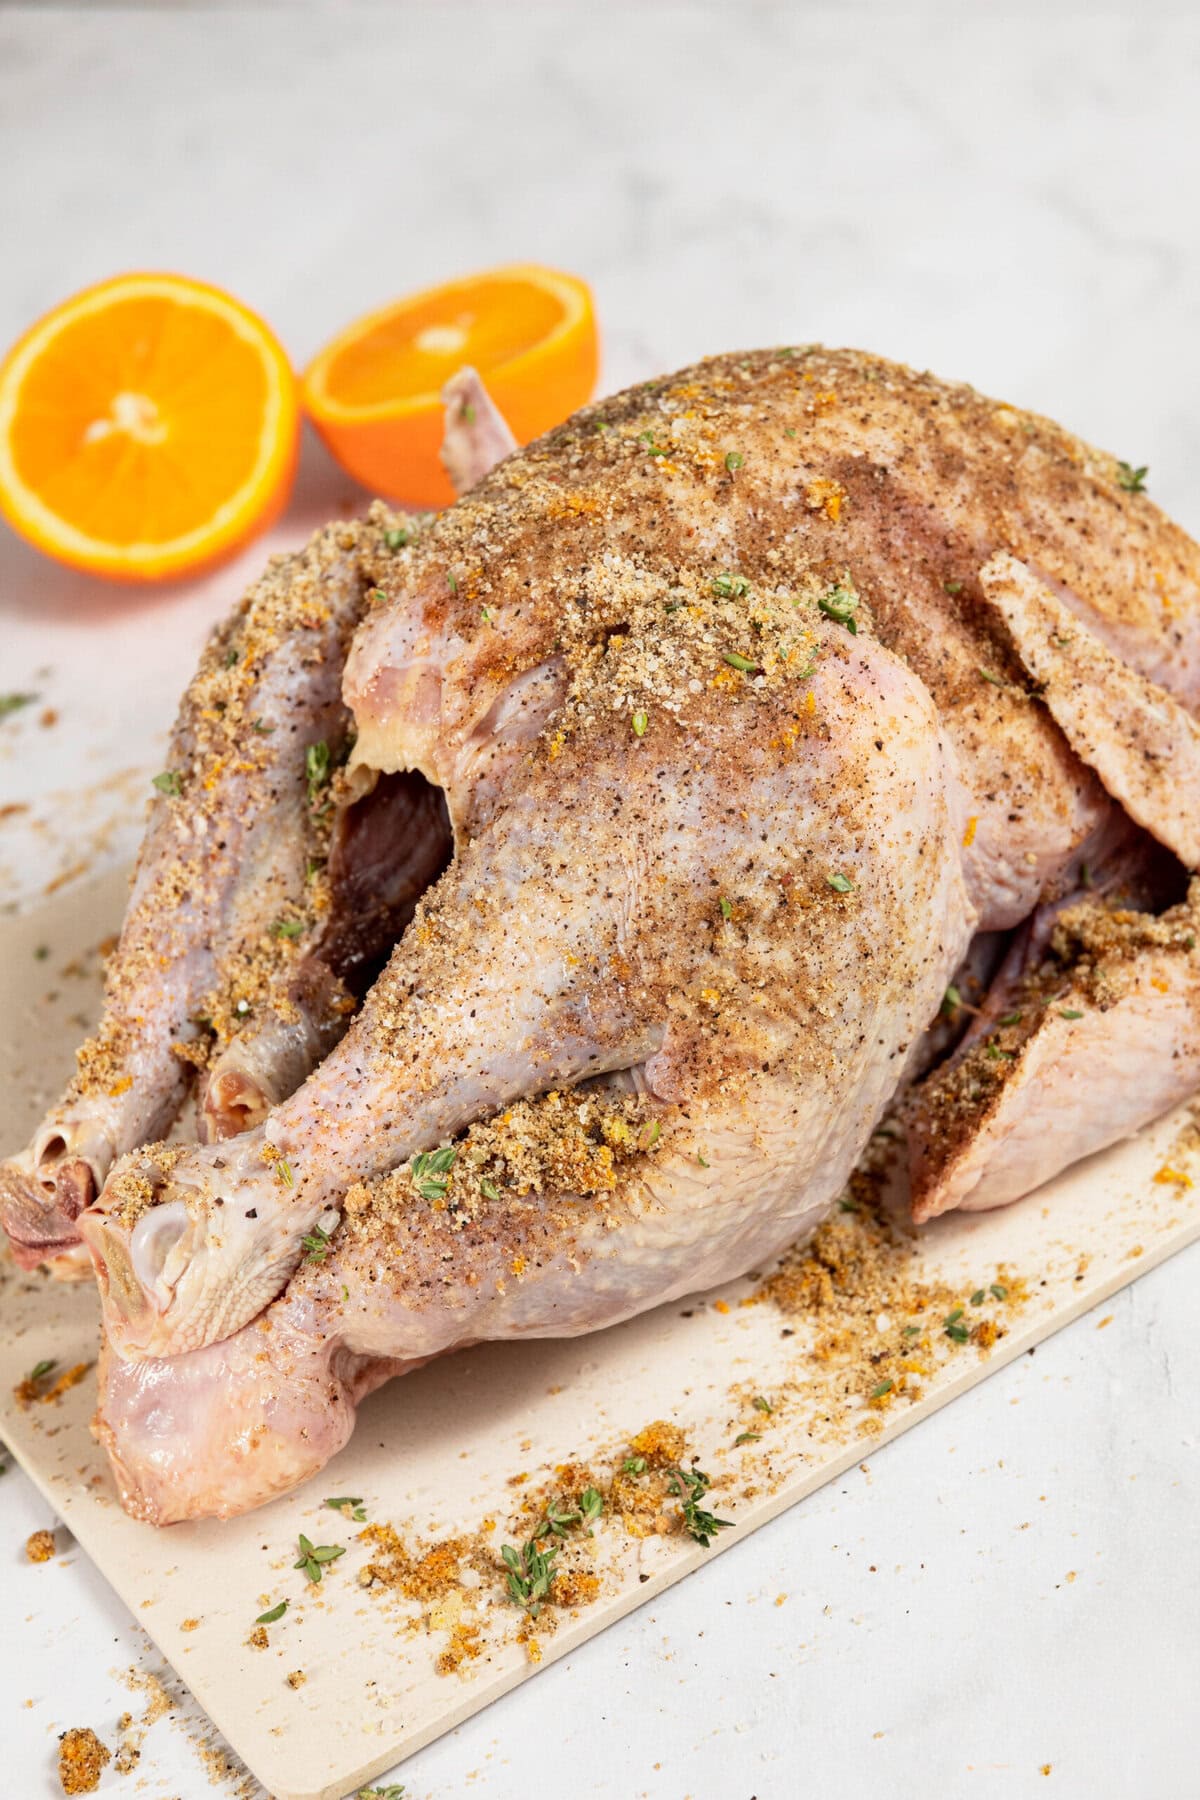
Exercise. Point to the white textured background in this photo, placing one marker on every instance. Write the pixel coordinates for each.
(1008, 196)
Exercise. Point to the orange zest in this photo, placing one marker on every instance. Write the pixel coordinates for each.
(148, 427)
(374, 392)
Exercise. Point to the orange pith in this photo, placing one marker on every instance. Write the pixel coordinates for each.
(374, 392)
(148, 426)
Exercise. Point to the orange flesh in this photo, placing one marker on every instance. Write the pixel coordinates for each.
(142, 418)
(417, 350)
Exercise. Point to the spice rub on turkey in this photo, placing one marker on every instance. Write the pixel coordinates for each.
(769, 705)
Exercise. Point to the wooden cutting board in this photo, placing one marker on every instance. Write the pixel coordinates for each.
(450, 1452)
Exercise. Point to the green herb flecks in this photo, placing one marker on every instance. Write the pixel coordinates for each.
(431, 1171)
(11, 703)
(1131, 479)
(396, 538)
(996, 680)
(746, 1437)
(349, 1505)
(736, 661)
(276, 1612)
(997, 1291)
(730, 587)
(40, 1370)
(640, 722)
(317, 766)
(734, 460)
(1069, 1012)
(978, 1297)
(841, 604)
(954, 1328)
(841, 884)
(316, 1244)
(762, 1404)
(953, 587)
(689, 1487)
(169, 782)
(634, 1465)
(951, 1001)
(726, 908)
(881, 1388)
(314, 1557)
(530, 1571)
(287, 928)
(488, 1189)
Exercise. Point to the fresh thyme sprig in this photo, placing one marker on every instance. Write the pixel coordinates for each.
(689, 1487)
(530, 1573)
(431, 1171)
(1131, 479)
(316, 1244)
(313, 1557)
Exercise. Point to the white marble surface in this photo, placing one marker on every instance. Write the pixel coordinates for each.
(1006, 197)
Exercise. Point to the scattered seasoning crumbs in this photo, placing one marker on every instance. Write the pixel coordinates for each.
(297, 1678)
(40, 1547)
(34, 1387)
(82, 1759)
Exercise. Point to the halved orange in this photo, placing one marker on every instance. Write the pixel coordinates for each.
(373, 393)
(148, 426)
